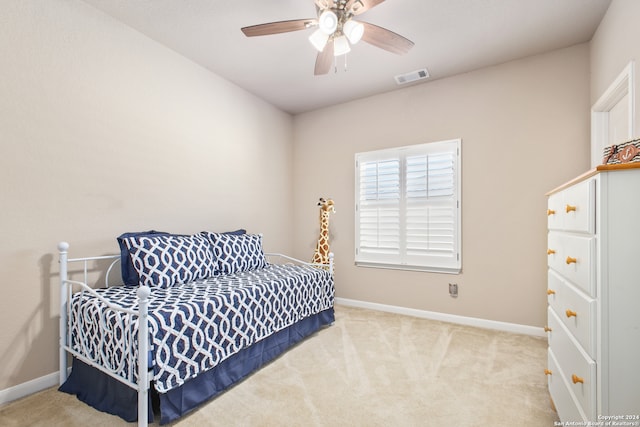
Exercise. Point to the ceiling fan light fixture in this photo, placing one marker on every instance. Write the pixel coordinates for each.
(319, 39)
(354, 31)
(341, 46)
(328, 22)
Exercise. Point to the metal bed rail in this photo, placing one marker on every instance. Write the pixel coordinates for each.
(299, 261)
(143, 293)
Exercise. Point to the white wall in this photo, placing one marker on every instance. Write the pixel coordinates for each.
(103, 131)
(525, 130)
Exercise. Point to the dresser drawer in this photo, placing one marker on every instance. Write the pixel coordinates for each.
(555, 219)
(577, 369)
(563, 400)
(579, 207)
(576, 311)
(573, 209)
(573, 256)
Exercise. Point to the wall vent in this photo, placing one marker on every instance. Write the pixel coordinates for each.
(413, 76)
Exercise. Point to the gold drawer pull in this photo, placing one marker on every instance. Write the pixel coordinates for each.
(570, 208)
(570, 313)
(571, 260)
(548, 372)
(547, 329)
(576, 379)
(550, 251)
(550, 212)
(551, 292)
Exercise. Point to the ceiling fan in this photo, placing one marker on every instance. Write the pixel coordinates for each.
(337, 31)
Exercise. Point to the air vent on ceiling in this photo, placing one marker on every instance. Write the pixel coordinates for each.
(412, 76)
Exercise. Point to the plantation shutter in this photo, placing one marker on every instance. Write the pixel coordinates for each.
(379, 209)
(407, 207)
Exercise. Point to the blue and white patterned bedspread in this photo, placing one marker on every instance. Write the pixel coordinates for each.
(193, 327)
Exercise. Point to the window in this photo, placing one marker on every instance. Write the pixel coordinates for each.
(408, 207)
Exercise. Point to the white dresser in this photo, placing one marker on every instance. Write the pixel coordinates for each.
(594, 295)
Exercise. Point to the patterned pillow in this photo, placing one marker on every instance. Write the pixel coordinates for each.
(236, 253)
(164, 260)
(129, 274)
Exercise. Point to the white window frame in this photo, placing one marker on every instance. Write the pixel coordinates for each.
(391, 249)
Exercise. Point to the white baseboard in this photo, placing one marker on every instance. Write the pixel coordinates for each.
(25, 389)
(444, 317)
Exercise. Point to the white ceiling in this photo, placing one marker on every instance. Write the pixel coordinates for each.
(451, 37)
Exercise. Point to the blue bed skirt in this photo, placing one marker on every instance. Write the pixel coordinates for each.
(110, 395)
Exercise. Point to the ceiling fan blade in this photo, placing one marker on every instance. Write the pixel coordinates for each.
(360, 6)
(279, 27)
(324, 60)
(386, 39)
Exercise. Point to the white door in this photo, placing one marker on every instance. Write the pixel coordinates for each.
(612, 115)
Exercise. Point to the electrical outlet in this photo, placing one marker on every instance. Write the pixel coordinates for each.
(453, 290)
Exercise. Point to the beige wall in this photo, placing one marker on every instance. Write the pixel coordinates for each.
(104, 131)
(525, 129)
(614, 44)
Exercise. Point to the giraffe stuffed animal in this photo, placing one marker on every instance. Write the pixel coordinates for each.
(321, 255)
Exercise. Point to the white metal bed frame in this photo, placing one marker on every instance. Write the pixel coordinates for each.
(66, 288)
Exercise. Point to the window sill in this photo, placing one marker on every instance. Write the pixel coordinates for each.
(443, 270)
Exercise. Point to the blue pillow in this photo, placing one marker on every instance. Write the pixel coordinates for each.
(129, 274)
(235, 253)
(238, 232)
(164, 260)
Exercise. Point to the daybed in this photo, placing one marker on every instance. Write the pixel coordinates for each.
(195, 314)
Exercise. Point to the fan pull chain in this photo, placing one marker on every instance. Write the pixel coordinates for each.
(335, 63)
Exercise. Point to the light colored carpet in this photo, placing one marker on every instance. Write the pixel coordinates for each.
(369, 369)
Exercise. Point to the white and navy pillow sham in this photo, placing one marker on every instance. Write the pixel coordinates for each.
(163, 260)
(130, 276)
(237, 253)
